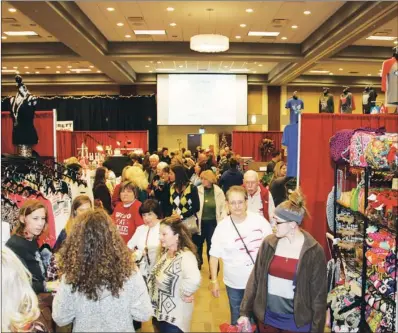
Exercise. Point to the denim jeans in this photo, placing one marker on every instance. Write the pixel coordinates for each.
(165, 327)
(235, 297)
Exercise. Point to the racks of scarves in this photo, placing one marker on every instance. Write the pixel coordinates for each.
(365, 224)
(27, 178)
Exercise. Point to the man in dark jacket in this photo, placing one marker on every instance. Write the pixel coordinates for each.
(231, 177)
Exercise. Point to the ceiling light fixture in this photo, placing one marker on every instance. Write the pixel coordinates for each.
(242, 25)
(120, 24)
(27, 72)
(294, 26)
(8, 70)
(58, 66)
(165, 69)
(369, 74)
(12, 10)
(127, 36)
(238, 37)
(307, 12)
(181, 66)
(110, 9)
(4, 67)
(20, 33)
(340, 69)
(249, 10)
(381, 38)
(37, 72)
(48, 67)
(67, 72)
(170, 9)
(57, 72)
(16, 67)
(396, 42)
(69, 66)
(173, 24)
(150, 71)
(91, 66)
(147, 66)
(99, 72)
(78, 70)
(26, 67)
(319, 71)
(263, 33)
(330, 73)
(158, 62)
(284, 38)
(150, 32)
(239, 70)
(3, 37)
(260, 65)
(253, 119)
(254, 72)
(209, 43)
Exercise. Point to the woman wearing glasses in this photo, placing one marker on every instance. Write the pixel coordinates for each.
(236, 241)
(145, 241)
(287, 288)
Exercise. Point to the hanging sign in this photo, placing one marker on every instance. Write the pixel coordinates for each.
(65, 125)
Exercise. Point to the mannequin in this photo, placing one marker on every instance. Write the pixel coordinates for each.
(296, 106)
(23, 106)
(389, 79)
(347, 103)
(326, 102)
(368, 99)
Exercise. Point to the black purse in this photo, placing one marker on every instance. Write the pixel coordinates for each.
(247, 250)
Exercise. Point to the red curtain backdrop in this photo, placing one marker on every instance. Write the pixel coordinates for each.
(44, 124)
(64, 145)
(247, 143)
(316, 167)
(139, 139)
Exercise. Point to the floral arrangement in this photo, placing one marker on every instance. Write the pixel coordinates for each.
(266, 146)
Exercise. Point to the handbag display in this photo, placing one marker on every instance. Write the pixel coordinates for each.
(191, 224)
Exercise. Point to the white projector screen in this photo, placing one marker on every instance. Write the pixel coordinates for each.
(202, 99)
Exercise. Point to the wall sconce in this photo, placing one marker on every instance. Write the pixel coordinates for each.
(253, 119)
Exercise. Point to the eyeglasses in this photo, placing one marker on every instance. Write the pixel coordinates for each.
(236, 203)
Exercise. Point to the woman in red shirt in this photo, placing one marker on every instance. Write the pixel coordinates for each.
(126, 214)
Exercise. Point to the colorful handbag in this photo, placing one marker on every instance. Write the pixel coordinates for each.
(381, 152)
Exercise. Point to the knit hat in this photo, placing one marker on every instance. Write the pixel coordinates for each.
(289, 215)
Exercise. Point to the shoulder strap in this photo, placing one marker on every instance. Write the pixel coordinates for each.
(242, 240)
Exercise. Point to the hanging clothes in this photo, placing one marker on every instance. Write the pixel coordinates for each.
(326, 103)
(347, 103)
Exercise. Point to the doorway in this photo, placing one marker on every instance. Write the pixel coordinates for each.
(194, 140)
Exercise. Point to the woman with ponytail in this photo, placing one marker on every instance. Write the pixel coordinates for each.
(287, 288)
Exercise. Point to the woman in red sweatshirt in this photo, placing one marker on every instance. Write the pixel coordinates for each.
(126, 214)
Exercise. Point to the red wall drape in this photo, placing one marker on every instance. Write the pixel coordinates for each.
(139, 139)
(248, 143)
(64, 145)
(316, 167)
(44, 124)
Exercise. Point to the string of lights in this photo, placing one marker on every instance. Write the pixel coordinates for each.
(86, 97)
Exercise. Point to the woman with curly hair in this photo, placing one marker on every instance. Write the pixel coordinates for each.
(101, 289)
(174, 278)
(138, 177)
(20, 309)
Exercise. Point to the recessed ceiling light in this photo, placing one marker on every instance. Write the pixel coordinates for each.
(237, 37)
(110, 9)
(67, 72)
(16, 67)
(396, 42)
(150, 32)
(48, 67)
(58, 66)
(340, 69)
(91, 66)
(264, 33)
(57, 72)
(20, 33)
(4, 67)
(254, 72)
(170, 9)
(150, 71)
(181, 66)
(260, 65)
(37, 72)
(307, 12)
(9, 71)
(239, 70)
(12, 10)
(27, 72)
(330, 73)
(120, 24)
(249, 10)
(127, 36)
(69, 66)
(173, 24)
(3, 37)
(243, 25)
(381, 38)
(165, 69)
(294, 26)
(26, 67)
(98, 71)
(320, 71)
(81, 70)
(369, 74)
(147, 66)
(283, 38)
(158, 62)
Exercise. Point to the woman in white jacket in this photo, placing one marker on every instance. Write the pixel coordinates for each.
(212, 210)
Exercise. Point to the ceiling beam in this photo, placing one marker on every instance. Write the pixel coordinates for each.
(181, 51)
(351, 22)
(335, 81)
(359, 53)
(59, 80)
(68, 23)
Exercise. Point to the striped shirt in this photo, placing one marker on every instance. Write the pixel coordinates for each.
(280, 297)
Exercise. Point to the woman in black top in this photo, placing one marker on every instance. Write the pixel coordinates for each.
(33, 218)
(101, 191)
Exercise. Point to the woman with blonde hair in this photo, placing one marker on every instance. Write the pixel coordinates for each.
(287, 288)
(212, 209)
(116, 190)
(138, 177)
(280, 170)
(101, 289)
(174, 278)
(20, 308)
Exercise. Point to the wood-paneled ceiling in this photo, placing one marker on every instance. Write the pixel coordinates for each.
(86, 35)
